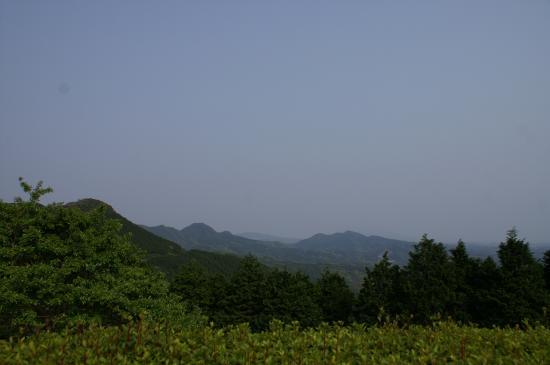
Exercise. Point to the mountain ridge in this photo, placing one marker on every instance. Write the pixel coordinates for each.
(347, 253)
(268, 237)
(161, 253)
(312, 255)
(347, 247)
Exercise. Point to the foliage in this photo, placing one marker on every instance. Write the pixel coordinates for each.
(523, 286)
(253, 294)
(346, 253)
(335, 298)
(291, 297)
(546, 262)
(432, 285)
(429, 281)
(161, 253)
(462, 268)
(59, 265)
(64, 264)
(202, 289)
(257, 295)
(486, 299)
(246, 291)
(382, 292)
(194, 285)
(156, 343)
(143, 239)
(468, 290)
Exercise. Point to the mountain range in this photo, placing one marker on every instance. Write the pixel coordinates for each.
(268, 237)
(338, 248)
(347, 253)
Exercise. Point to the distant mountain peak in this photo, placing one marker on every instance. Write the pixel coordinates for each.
(199, 228)
(337, 235)
(88, 204)
(89, 201)
(357, 246)
(318, 235)
(353, 233)
(268, 237)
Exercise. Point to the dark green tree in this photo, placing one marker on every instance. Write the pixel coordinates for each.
(257, 295)
(382, 292)
(430, 286)
(59, 264)
(202, 289)
(246, 292)
(462, 266)
(192, 284)
(335, 298)
(523, 281)
(546, 263)
(486, 296)
(291, 297)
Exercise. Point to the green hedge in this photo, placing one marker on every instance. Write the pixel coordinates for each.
(145, 343)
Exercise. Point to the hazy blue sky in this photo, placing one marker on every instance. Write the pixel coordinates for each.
(385, 117)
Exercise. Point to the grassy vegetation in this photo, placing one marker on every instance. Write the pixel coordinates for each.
(138, 342)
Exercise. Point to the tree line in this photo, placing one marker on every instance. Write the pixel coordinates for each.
(433, 284)
(60, 266)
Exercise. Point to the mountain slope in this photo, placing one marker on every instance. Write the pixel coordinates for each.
(267, 237)
(143, 239)
(162, 253)
(203, 237)
(347, 253)
(357, 247)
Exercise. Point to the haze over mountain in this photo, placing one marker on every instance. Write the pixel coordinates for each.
(358, 246)
(347, 253)
(203, 237)
(168, 249)
(339, 248)
(218, 252)
(268, 237)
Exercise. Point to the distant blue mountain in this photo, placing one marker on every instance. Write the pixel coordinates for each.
(357, 247)
(268, 237)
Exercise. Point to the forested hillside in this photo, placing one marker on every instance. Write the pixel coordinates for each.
(218, 252)
(348, 248)
(161, 253)
(74, 274)
(346, 253)
(432, 283)
(355, 247)
(268, 237)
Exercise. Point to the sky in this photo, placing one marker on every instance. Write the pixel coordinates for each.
(394, 118)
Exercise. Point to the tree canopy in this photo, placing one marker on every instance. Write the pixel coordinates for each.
(60, 264)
